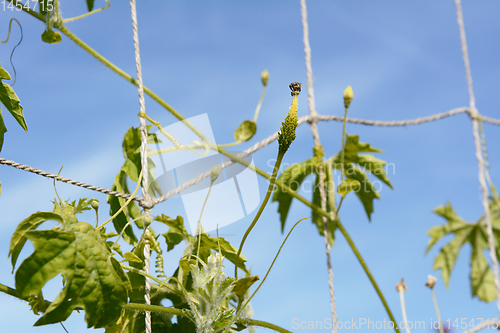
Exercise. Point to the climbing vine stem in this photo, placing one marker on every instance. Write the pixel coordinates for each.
(235, 158)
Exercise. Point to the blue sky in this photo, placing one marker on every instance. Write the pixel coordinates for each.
(403, 61)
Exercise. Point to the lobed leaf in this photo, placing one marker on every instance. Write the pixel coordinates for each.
(481, 276)
(177, 232)
(94, 280)
(31, 223)
(356, 167)
(292, 176)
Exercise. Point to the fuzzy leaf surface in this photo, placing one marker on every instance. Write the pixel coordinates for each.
(28, 224)
(93, 279)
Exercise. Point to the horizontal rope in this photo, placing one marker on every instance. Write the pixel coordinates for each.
(67, 180)
(249, 151)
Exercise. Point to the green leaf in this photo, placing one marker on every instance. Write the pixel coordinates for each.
(131, 151)
(115, 203)
(9, 98)
(4, 75)
(317, 219)
(177, 232)
(31, 223)
(481, 277)
(366, 192)
(209, 244)
(90, 5)
(356, 167)
(52, 37)
(347, 186)
(245, 131)
(3, 130)
(68, 211)
(130, 256)
(82, 205)
(242, 285)
(292, 176)
(93, 280)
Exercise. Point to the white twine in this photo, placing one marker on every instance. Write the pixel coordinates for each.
(144, 160)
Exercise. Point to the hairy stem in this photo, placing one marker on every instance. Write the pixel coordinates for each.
(160, 101)
(178, 312)
(265, 277)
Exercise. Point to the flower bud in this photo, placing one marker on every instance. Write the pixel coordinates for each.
(287, 133)
(95, 204)
(431, 281)
(348, 95)
(215, 173)
(264, 76)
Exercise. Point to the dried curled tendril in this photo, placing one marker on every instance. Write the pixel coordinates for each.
(12, 53)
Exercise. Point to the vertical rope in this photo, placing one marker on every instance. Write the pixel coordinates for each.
(317, 143)
(474, 114)
(144, 159)
(310, 78)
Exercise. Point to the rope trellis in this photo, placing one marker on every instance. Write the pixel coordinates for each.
(148, 203)
(144, 161)
(317, 143)
(259, 145)
(474, 114)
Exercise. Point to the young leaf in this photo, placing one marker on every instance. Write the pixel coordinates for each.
(245, 131)
(209, 244)
(93, 281)
(82, 205)
(130, 256)
(242, 285)
(131, 151)
(31, 223)
(347, 186)
(177, 232)
(9, 98)
(481, 277)
(68, 211)
(293, 176)
(115, 203)
(50, 36)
